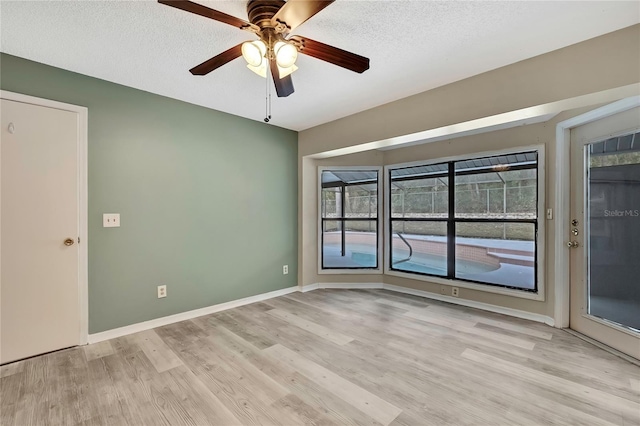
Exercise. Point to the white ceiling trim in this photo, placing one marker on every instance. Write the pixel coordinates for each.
(521, 117)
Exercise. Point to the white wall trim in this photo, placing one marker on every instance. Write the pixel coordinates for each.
(520, 117)
(473, 304)
(83, 227)
(183, 316)
(563, 188)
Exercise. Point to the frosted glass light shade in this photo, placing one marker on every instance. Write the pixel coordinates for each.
(286, 54)
(261, 70)
(253, 52)
(283, 72)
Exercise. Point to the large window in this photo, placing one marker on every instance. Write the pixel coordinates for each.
(473, 220)
(349, 216)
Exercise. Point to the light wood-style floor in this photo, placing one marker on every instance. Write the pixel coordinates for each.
(329, 357)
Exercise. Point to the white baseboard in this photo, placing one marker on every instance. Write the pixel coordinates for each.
(454, 300)
(309, 287)
(473, 304)
(159, 322)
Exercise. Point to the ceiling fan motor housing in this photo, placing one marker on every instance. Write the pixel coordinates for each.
(261, 11)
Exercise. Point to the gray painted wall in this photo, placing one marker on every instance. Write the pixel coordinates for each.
(208, 200)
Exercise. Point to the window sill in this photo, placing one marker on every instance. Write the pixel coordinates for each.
(539, 296)
(377, 271)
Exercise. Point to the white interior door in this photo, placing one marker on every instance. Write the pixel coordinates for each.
(39, 291)
(605, 231)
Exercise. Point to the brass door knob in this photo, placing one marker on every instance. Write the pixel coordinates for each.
(573, 244)
(68, 242)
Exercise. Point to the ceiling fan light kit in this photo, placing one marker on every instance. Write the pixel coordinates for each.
(276, 49)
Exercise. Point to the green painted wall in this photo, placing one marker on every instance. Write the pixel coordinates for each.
(208, 200)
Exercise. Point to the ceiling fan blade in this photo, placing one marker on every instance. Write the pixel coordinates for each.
(331, 54)
(284, 86)
(217, 61)
(201, 10)
(295, 12)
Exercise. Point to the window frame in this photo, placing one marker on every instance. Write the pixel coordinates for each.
(540, 244)
(378, 220)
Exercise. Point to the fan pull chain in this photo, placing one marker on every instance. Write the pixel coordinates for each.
(267, 98)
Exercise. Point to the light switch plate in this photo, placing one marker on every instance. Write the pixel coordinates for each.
(111, 220)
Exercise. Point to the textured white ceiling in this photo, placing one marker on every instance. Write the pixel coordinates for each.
(413, 46)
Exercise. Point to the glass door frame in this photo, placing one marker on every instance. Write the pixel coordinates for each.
(561, 211)
(605, 331)
(583, 250)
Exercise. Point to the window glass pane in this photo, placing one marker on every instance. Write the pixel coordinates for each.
(503, 187)
(496, 253)
(427, 170)
(361, 201)
(613, 227)
(360, 249)
(420, 198)
(331, 202)
(361, 243)
(331, 243)
(360, 194)
(419, 247)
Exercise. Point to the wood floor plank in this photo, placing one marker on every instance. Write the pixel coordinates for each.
(11, 393)
(569, 388)
(317, 329)
(257, 339)
(541, 407)
(329, 357)
(506, 325)
(98, 350)
(160, 355)
(38, 376)
(12, 368)
(242, 388)
(322, 400)
(294, 411)
(445, 322)
(365, 401)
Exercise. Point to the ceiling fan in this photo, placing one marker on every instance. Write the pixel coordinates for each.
(272, 21)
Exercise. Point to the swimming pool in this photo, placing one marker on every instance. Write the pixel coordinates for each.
(424, 264)
(499, 272)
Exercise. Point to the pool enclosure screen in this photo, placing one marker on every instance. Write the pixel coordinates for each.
(349, 216)
(474, 220)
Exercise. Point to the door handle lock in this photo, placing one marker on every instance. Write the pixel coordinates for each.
(573, 244)
(68, 242)
(575, 231)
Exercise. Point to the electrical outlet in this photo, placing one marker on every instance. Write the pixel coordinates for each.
(162, 291)
(285, 269)
(454, 292)
(111, 220)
